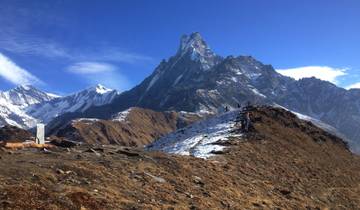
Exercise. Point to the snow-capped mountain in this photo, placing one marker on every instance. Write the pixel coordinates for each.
(78, 102)
(26, 95)
(195, 79)
(14, 102)
(24, 106)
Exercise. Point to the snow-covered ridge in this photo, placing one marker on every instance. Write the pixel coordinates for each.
(198, 139)
(316, 122)
(99, 89)
(14, 102)
(77, 102)
(121, 116)
(24, 106)
(25, 95)
(87, 121)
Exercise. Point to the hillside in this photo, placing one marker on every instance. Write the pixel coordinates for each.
(283, 163)
(14, 134)
(134, 127)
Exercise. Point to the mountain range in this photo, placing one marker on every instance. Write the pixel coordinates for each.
(25, 106)
(196, 79)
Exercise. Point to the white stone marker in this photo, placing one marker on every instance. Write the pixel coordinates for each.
(40, 134)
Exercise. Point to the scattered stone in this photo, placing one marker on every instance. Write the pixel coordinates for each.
(93, 151)
(198, 181)
(64, 143)
(127, 152)
(156, 178)
(59, 171)
(219, 152)
(189, 195)
(225, 204)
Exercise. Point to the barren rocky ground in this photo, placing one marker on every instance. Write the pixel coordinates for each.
(283, 163)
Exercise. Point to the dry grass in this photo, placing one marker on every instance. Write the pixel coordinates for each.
(283, 164)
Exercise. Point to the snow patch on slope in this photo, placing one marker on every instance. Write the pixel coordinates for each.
(198, 139)
(317, 122)
(87, 121)
(121, 116)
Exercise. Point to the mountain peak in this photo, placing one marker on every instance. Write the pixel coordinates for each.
(25, 87)
(195, 44)
(100, 89)
(193, 40)
(195, 47)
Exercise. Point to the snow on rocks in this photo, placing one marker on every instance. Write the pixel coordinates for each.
(199, 138)
(316, 122)
(319, 123)
(87, 121)
(121, 116)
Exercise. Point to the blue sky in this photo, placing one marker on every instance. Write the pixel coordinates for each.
(64, 46)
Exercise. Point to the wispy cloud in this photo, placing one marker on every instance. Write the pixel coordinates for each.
(26, 45)
(116, 55)
(32, 46)
(321, 72)
(15, 74)
(91, 68)
(100, 73)
(17, 22)
(353, 86)
(19, 38)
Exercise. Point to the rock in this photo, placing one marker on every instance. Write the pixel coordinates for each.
(189, 195)
(59, 171)
(156, 178)
(127, 152)
(197, 180)
(93, 151)
(64, 143)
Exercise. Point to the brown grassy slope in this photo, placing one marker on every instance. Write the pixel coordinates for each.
(141, 127)
(284, 163)
(14, 134)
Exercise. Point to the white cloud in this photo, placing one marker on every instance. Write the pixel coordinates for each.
(321, 72)
(91, 68)
(15, 42)
(113, 54)
(15, 74)
(100, 73)
(32, 46)
(20, 38)
(356, 85)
